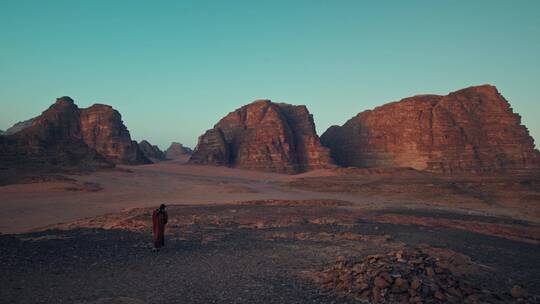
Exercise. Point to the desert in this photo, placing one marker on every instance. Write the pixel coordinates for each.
(292, 228)
(269, 152)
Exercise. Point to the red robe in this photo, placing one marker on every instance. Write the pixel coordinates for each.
(159, 219)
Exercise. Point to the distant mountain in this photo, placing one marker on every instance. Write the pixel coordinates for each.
(265, 136)
(473, 129)
(177, 151)
(19, 126)
(151, 152)
(64, 135)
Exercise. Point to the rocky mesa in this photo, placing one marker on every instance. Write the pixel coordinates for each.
(265, 136)
(64, 135)
(473, 129)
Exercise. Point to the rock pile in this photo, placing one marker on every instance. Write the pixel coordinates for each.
(407, 276)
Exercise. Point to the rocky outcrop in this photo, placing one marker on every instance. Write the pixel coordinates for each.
(103, 130)
(21, 125)
(54, 139)
(265, 136)
(178, 152)
(151, 152)
(66, 136)
(473, 129)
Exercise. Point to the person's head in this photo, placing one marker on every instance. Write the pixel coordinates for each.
(162, 207)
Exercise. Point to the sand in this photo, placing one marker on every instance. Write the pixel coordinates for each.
(24, 207)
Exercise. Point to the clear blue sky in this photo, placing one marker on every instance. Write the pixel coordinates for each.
(174, 68)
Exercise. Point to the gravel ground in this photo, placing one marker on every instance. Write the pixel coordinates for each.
(86, 265)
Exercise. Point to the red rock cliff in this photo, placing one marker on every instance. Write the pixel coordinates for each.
(473, 129)
(53, 139)
(103, 130)
(264, 136)
(65, 135)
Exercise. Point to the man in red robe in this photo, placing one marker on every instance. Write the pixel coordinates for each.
(159, 220)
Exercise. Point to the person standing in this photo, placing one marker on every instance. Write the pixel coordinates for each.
(159, 220)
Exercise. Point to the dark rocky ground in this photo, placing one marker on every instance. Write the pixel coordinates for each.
(262, 253)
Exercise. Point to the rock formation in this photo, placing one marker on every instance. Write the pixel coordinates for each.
(54, 139)
(151, 152)
(473, 129)
(104, 131)
(177, 151)
(264, 136)
(65, 135)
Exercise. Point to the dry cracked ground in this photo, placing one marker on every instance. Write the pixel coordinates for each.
(316, 250)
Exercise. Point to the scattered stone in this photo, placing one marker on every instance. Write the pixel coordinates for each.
(518, 292)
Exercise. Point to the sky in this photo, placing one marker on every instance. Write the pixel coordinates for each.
(174, 68)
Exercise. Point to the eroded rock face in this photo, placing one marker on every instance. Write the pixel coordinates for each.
(264, 136)
(54, 139)
(177, 151)
(65, 135)
(473, 129)
(103, 130)
(152, 152)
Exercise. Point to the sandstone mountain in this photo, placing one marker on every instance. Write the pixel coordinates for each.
(264, 136)
(151, 152)
(103, 130)
(177, 151)
(473, 129)
(65, 135)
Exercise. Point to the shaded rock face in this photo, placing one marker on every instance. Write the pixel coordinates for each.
(65, 135)
(151, 152)
(473, 129)
(104, 131)
(264, 136)
(54, 138)
(19, 126)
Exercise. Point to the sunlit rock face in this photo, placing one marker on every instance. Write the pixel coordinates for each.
(473, 129)
(264, 136)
